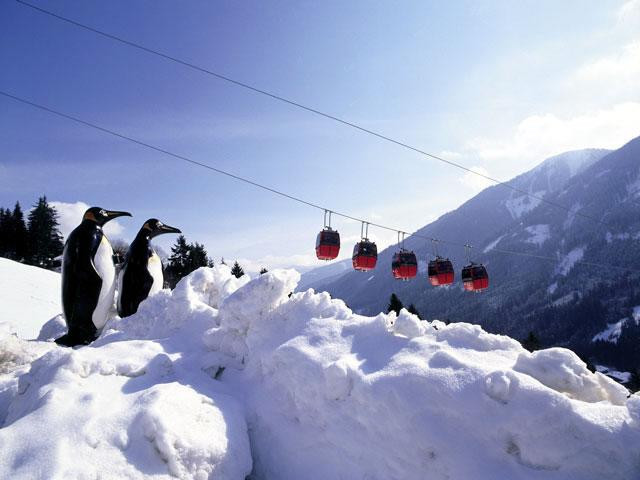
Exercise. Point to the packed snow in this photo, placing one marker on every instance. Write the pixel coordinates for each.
(569, 260)
(518, 206)
(571, 215)
(622, 377)
(224, 378)
(611, 333)
(29, 296)
(539, 234)
(614, 330)
(493, 244)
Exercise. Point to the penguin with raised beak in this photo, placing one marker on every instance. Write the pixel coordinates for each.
(88, 277)
(141, 273)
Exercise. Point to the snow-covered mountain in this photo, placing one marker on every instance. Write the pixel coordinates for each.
(225, 378)
(563, 302)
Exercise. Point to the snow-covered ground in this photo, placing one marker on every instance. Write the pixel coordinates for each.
(29, 296)
(493, 244)
(518, 206)
(539, 234)
(224, 378)
(569, 260)
(614, 330)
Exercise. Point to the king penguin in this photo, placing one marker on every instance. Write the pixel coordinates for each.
(141, 273)
(88, 278)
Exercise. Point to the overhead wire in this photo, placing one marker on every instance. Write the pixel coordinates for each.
(276, 191)
(299, 105)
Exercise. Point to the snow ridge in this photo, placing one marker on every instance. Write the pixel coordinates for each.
(224, 377)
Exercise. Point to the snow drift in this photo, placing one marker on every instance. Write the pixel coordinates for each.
(225, 377)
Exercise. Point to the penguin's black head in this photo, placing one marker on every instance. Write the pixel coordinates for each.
(154, 227)
(101, 216)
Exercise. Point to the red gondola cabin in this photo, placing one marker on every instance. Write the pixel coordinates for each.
(365, 256)
(327, 244)
(475, 277)
(404, 265)
(440, 272)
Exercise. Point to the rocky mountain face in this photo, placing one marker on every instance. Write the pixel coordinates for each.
(549, 285)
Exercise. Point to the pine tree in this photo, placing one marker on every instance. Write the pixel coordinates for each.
(237, 270)
(45, 241)
(185, 258)
(395, 305)
(531, 343)
(222, 262)
(412, 309)
(178, 261)
(263, 270)
(5, 227)
(20, 234)
(197, 257)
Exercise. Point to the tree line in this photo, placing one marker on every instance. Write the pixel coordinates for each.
(36, 241)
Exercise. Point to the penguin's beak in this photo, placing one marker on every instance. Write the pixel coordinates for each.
(168, 229)
(115, 214)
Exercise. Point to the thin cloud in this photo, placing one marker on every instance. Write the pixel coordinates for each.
(70, 216)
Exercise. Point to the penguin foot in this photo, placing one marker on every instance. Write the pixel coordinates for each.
(73, 340)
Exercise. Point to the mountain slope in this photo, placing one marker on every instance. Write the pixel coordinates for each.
(563, 302)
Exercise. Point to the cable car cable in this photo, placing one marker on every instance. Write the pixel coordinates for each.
(300, 106)
(273, 190)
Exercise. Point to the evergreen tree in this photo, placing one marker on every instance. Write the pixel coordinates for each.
(178, 262)
(185, 258)
(45, 241)
(531, 343)
(237, 270)
(395, 305)
(412, 309)
(263, 270)
(20, 234)
(197, 257)
(5, 234)
(222, 262)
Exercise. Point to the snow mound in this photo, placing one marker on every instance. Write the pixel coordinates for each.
(226, 377)
(29, 297)
(562, 370)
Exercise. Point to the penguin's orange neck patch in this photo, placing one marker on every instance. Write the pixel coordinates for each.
(89, 216)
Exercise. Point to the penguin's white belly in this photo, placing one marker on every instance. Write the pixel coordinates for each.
(154, 266)
(103, 262)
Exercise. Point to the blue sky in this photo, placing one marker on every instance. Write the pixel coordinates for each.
(496, 86)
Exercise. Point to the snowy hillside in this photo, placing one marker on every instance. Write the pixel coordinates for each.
(29, 296)
(227, 377)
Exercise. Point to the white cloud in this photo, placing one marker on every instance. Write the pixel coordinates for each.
(540, 136)
(270, 262)
(616, 76)
(629, 13)
(70, 216)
